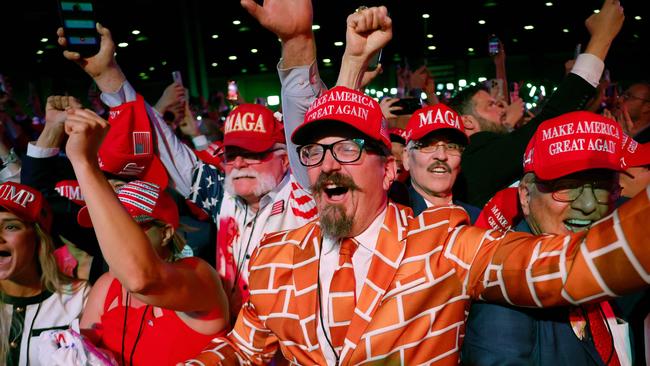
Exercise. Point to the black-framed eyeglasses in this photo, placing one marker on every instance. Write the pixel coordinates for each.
(450, 148)
(569, 190)
(251, 158)
(344, 151)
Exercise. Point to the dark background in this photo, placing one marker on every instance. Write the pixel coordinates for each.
(168, 27)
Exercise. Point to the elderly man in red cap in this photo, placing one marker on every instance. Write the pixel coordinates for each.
(571, 180)
(256, 196)
(435, 141)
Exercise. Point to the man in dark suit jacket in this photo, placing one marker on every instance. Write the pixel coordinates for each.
(569, 184)
(492, 160)
(635, 101)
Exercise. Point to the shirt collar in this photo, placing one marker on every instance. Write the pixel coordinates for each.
(367, 239)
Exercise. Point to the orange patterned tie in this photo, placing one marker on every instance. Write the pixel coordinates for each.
(342, 296)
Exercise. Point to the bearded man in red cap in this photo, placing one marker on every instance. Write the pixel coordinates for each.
(346, 289)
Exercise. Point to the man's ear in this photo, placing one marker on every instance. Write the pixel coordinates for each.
(285, 161)
(524, 192)
(390, 172)
(471, 124)
(168, 234)
(406, 162)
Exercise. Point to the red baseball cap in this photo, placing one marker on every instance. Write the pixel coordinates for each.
(501, 212)
(634, 153)
(397, 134)
(252, 127)
(434, 118)
(346, 106)
(128, 149)
(27, 203)
(70, 189)
(574, 142)
(144, 201)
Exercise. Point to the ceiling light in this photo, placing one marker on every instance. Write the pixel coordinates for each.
(215, 36)
(151, 68)
(338, 43)
(638, 17)
(549, 4)
(39, 52)
(462, 83)
(431, 48)
(565, 30)
(232, 58)
(122, 44)
(482, 79)
(214, 64)
(596, 11)
(425, 16)
(273, 100)
(529, 27)
(254, 50)
(481, 22)
(236, 22)
(429, 35)
(135, 32)
(243, 71)
(327, 60)
(470, 49)
(315, 27)
(450, 86)
(393, 91)
(45, 39)
(164, 63)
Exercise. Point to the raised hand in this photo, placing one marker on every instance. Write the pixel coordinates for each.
(86, 131)
(603, 27)
(286, 18)
(55, 108)
(368, 31)
(387, 107)
(102, 66)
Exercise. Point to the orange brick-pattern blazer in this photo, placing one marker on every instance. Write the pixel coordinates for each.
(414, 303)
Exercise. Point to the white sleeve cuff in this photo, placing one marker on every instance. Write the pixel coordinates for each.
(589, 67)
(41, 152)
(200, 142)
(125, 94)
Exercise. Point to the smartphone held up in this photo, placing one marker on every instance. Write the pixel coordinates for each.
(493, 45)
(78, 22)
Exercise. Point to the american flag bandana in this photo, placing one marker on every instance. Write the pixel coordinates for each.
(278, 207)
(141, 143)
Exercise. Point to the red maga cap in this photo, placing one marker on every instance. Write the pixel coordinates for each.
(26, 203)
(501, 212)
(574, 142)
(397, 132)
(144, 201)
(433, 118)
(634, 153)
(252, 127)
(347, 106)
(128, 149)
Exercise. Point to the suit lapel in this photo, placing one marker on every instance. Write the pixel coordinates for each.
(305, 280)
(385, 262)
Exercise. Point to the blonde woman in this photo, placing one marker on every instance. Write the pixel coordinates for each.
(34, 295)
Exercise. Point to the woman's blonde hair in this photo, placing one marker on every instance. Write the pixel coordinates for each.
(51, 279)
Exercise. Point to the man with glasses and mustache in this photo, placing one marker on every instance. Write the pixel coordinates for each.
(435, 141)
(571, 180)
